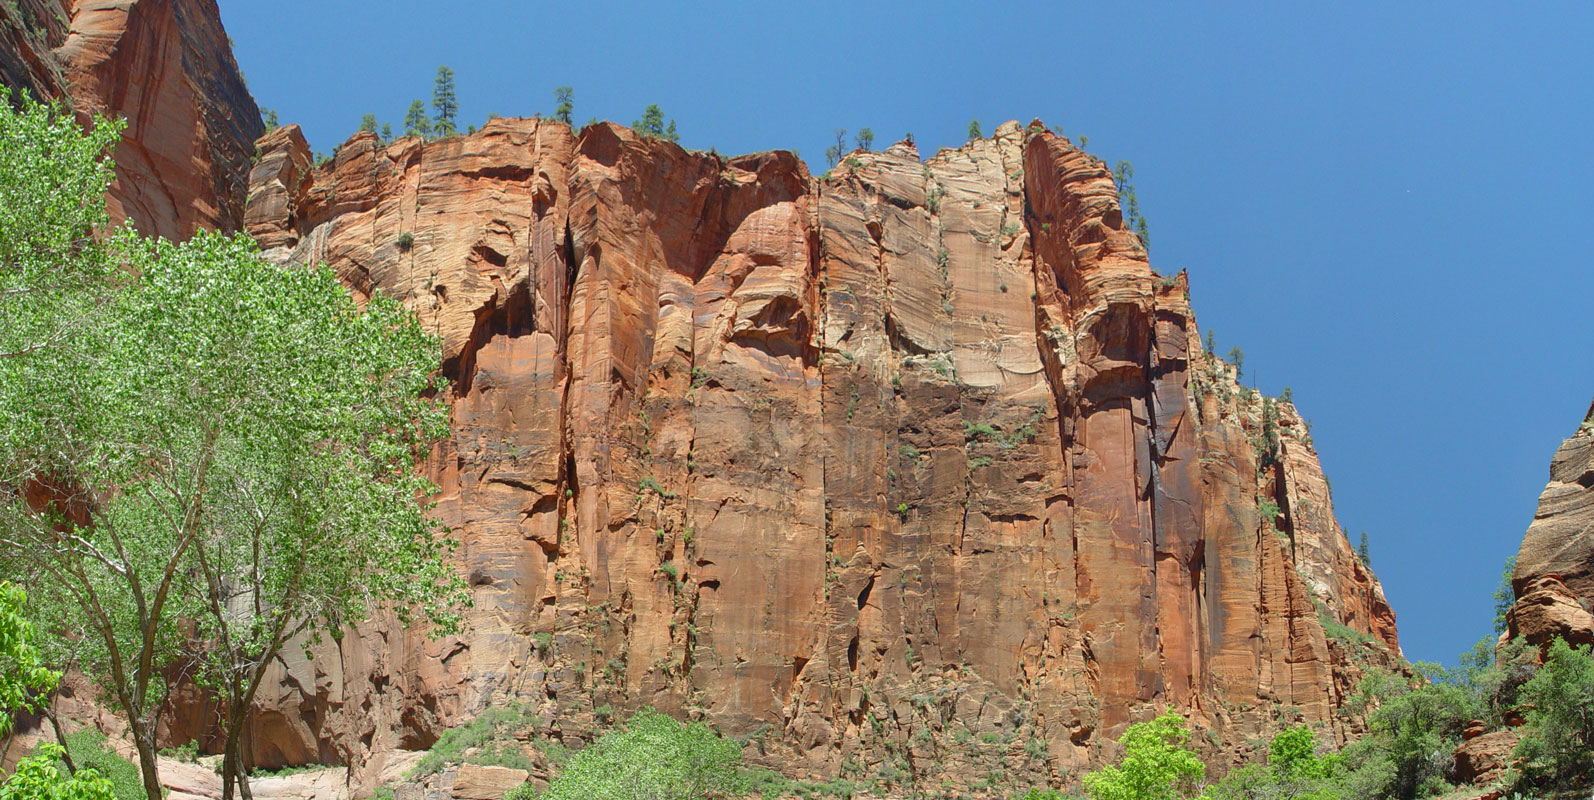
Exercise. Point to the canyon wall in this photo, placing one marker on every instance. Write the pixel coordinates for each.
(913, 470)
(166, 66)
(1554, 577)
(917, 468)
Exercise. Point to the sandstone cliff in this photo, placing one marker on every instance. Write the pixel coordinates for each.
(914, 469)
(1554, 578)
(167, 68)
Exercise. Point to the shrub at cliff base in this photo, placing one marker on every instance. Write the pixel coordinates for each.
(652, 758)
(40, 777)
(1157, 764)
(1557, 749)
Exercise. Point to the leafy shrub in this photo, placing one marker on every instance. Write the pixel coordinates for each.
(488, 733)
(654, 756)
(41, 777)
(91, 751)
(1157, 764)
(1557, 750)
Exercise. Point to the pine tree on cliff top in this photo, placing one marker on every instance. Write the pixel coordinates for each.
(416, 122)
(565, 97)
(445, 106)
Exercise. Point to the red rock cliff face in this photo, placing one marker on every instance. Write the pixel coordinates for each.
(915, 469)
(1554, 578)
(167, 68)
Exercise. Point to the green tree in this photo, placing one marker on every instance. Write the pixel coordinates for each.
(1557, 748)
(269, 117)
(651, 125)
(445, 105)
(1363, 552)
(387, 132)
(416, 122)
(1504, 596)
(670, 133)
(1416, 723)
(652, 758)
(865, 139)
(40, 777)
(565, 99)
(1157, 764)
(251, 408)
(52, 278)
(1212, 342)
(23, 678)
(974, 130)
(1123, 175)
(368, 123)
(1237, 358)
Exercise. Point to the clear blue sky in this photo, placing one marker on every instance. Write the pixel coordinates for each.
(1388, 208)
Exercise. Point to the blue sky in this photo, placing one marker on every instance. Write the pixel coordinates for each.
(1387, 208)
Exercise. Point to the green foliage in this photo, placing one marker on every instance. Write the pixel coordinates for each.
(387, 132)
(1557, 749)
(91, 751)
(654, 758)
(1157, 764)
(1504, 594)
(974, 130)
(40, 777)
(1237, 358)
(492, 734)
(445, 105)
(652, 125)
(1212, 342)
(269, 117)
(53, 177)
(564, 99)
(1123, 175)
(368, 123)
(1417, 723)
(416, 123)
(1365, 553)
(865, 139)
(22, 677)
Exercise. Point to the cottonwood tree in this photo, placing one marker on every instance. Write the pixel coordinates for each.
(224, 460)
(52, 176)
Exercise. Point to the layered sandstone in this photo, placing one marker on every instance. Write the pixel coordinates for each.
(912, 470)
(1554, 577)
(166, 67)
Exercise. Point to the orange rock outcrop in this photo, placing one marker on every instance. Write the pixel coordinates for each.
(914, 468)
(913, 471)
(1554, 577)
(167, 68)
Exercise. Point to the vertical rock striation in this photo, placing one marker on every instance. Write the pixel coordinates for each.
(909, 471)
(1554, 578)
(166, 67)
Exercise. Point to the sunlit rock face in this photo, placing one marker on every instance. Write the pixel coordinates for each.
(916, 467)
(1554, 578)
(166, 67)
(913, 471)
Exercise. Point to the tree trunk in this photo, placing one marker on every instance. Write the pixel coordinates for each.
(144, 741)
(60, 738)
